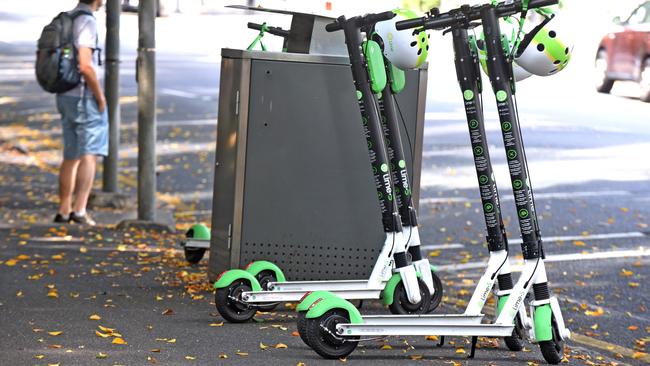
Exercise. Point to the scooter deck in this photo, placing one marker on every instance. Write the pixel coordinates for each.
(195, 243)
(422, 326)
(337, 285)
(443, 319)
(257, 297)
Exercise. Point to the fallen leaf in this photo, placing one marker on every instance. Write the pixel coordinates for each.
(168, 312)
(11, 262)
(216, 324)
(579, 243)
(598, 312)
(223, 355)
(431, 338)
(156, 350)
(39, 357)
(94, 317)
(53, 294)
(633, 284)
(280, 345)
(416, 357)
(57, 257)
(55, 346)
(243, 354)
(55, 333)
(386, 346)
(83, 249)
(626, 273)
(105, 329)
(54, 364)
(118, 340)
(460, 350)
(632, 327)
(173, 340)
(638, 355)
(103, 335)
(263, 346)
(101, 355)
(19, 293)
(295, 333)
(190, 358)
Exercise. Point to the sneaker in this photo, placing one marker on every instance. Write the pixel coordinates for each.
(60, 219)
(83, 220)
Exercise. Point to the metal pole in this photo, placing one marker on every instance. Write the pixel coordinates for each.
(112, 91)
(146, 76)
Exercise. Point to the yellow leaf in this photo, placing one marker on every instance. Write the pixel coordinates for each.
(121, 248)
(19, 293)
(460, 350)
(190, 358)
(155, 350)
(280, 345)
(386, 346)
(53, 294)
(100, 334)
(22, 257)
(39, 357)
(118, 341)
(173, 340)
(435, 253)
(101, 355)
(638, 355)
(594, 327)
(263, 346)
(301, 364)
(11, 262)
(54, 364)
(598, 312)
(107, 330)
(431, 338)
(216, 324)
(626, 273)
(94, 317)
(55, 333)
(415, 357)
(57, 257)
(223, 355)
(83, 249)
(243, 354)
(632, 327)
(633, 284)
(579, 243)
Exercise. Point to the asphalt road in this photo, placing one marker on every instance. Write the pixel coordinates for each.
(588, 163)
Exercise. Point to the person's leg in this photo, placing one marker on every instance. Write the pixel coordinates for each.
(84, 182)
(67, 177)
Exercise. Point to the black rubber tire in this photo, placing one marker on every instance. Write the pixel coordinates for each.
(194, 255)
(324, 343)
(436, 297)
(401, 304)
(515, 342)
(357, 303)
(301, 324)
(603, 83)
(264, 278)
(553, 350)
(644, 83)
(230, 310)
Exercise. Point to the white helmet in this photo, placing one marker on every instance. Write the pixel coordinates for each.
(406, 49)
(545, 50)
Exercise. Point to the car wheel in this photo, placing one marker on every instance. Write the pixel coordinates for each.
(603, 83)
(645, 81)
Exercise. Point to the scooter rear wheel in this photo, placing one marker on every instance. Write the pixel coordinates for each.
(322, 336)
(301, 324)
(402, 305)
(264, 278)
(229, 303)
(436, 296)
(553, 350)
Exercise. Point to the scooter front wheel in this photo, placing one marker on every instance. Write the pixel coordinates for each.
(231, 306)
(264, 278)
(515, 342)
(436, 296)
(323, 338)
(402, 305)
(553, 350)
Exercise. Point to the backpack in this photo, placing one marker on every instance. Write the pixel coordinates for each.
(57, 67)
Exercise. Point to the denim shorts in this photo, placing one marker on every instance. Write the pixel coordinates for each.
(85, 129)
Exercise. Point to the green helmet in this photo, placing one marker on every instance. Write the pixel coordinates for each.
(544, 50)
(508, 35)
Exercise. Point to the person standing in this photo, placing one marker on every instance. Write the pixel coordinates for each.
(84, 121)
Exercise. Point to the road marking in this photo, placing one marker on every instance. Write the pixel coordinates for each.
(633, 234)
(179, 93)
(547, 195)
(518, 265)
(442, 246)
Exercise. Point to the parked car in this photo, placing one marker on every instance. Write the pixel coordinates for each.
(624, 54)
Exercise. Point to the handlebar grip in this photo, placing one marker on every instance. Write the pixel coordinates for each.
(255, 26)
(379, 17)
(410, 23)
(533, 4)
(333, 27)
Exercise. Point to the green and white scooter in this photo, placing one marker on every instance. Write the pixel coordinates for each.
(403, 286)
(334, 328)
(197, 237)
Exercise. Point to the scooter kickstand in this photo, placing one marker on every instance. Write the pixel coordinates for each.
(471, 353)
(442, 341)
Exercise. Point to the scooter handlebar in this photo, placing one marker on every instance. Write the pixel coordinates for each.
(467, 14)
(276, 31)
(360, 22)
(333, 27)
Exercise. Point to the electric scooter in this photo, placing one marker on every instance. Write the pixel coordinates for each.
(334, 328)
(261, 285)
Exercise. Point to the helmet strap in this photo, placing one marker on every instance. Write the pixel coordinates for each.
(530, 35)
